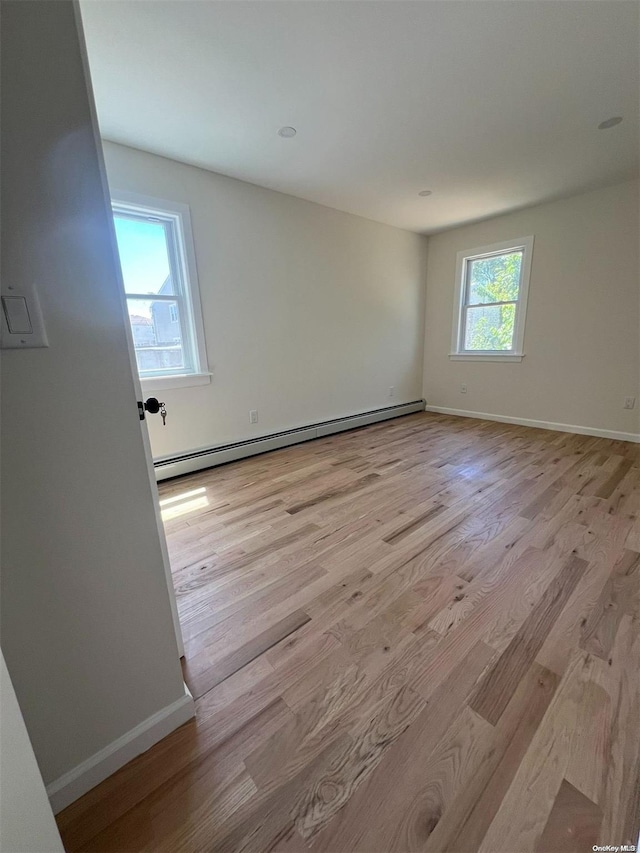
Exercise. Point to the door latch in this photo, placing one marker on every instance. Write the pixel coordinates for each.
(153, 406)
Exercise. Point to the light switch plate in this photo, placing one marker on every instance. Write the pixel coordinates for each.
(26, 300)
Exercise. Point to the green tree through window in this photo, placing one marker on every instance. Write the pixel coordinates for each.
(492, 290)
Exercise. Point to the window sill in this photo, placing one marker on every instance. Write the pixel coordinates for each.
(180, 380)
(472, 356)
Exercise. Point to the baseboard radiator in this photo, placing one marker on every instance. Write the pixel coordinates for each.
(175, 466)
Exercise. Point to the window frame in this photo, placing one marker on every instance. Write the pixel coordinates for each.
(463, 261)
(177, 220)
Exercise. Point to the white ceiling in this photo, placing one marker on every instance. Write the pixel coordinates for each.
(492, 104)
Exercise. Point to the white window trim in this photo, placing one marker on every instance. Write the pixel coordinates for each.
(175, 380)
(135, 203)
(517, 352)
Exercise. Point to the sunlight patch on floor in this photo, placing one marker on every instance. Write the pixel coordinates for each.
(183, 504)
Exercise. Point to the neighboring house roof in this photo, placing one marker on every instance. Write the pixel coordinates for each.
(139, 320)
(166, 286)
(164, 290)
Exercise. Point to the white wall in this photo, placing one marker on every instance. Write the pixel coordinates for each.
(86, 624)
(582, 338)
(310, 313)
(26, 820)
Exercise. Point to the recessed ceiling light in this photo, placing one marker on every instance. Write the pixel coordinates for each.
(425, 192)
(610, 122)
(287, 132)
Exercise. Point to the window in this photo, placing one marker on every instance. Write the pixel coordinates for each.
(158, 270)
(491, 301)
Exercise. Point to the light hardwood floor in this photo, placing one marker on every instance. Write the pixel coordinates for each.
(421, 635)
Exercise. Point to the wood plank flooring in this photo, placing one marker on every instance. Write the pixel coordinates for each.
(422, 635)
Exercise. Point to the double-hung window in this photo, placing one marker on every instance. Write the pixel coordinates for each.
(160, 282)
(492, 285)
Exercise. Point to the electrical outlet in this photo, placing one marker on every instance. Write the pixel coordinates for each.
(392, 391)
(629, 402)
(463, 388)
(253, 416)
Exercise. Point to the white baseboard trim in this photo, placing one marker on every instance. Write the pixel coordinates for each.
(94, 770)
(505, 419)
